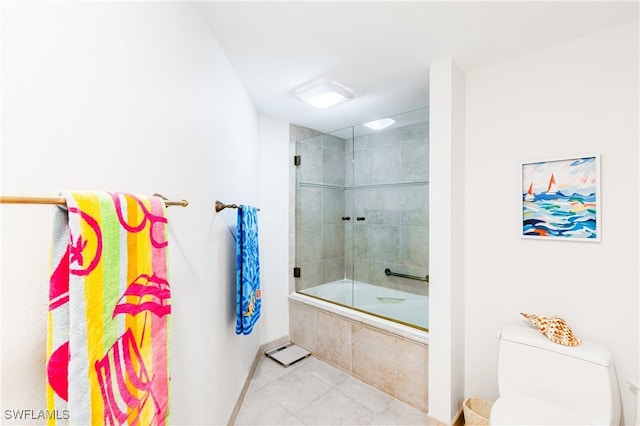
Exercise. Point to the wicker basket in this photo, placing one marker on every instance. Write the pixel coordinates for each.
(476, 411)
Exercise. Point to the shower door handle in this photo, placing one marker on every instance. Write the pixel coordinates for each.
(360, 218)
(346, 217)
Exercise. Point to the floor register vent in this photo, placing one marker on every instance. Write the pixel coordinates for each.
(287, 354)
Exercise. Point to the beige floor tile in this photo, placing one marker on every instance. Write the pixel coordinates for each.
(335, 408)
(268, 370)
(399, 413)
(259, 409)
(324, 372)
(312, 392)
(372, 398)
(295, 390)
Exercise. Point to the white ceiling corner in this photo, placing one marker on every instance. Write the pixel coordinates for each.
(382, 50)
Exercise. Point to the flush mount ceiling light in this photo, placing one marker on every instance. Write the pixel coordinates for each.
(324, 93)
(380, 124)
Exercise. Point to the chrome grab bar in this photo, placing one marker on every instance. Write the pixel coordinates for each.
(388, 271)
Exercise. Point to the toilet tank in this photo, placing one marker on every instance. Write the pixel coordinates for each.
(580, 378)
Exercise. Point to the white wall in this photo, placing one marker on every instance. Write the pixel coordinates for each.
(446, 241)
(135, 97)
(575, 98)
(274, 238)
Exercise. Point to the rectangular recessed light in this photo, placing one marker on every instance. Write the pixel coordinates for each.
(380, 124)
(324, 93)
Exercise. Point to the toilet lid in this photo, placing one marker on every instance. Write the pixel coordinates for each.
(526, 410)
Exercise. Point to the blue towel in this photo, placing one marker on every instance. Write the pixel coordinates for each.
(248, 301)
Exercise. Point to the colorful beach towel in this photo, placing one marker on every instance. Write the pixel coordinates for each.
(248, 300)
(109, 311)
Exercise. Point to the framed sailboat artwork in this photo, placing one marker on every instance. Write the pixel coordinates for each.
(561, 199)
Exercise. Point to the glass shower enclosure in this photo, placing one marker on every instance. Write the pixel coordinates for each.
(362, 218)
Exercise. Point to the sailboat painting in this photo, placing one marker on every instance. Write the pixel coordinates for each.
(560, 199)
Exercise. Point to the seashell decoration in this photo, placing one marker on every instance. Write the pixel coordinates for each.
(555, 328)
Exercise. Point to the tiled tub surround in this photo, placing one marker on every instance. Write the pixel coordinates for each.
(386, 355)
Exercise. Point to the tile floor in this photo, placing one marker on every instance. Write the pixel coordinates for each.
(312, 392)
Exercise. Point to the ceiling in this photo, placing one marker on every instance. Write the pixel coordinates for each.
(382, 50)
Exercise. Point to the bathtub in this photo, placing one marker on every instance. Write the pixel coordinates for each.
(406, 308)
(387, 354)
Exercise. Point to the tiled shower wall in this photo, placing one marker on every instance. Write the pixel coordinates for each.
(390, 189)
(295, 133)
(320, 206)
(384, 178)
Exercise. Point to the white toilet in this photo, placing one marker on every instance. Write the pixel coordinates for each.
(544, 383)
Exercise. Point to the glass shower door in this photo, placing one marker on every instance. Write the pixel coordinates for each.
(322, 217)
(391, 229)
(362, 218)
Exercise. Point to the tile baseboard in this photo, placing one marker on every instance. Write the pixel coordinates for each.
(254, 364)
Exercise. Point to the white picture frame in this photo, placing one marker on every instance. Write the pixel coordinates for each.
(560, 199)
